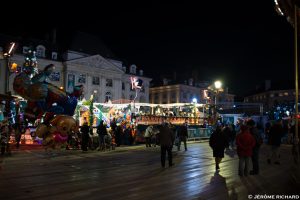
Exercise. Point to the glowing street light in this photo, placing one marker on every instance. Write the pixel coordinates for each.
(7, 55)
(216, 88)
(194, 101)
(218, 84)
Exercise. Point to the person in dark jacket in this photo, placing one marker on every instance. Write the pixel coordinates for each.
(166, 138)
(182, 136)
(85, 135)
(245, 143)
(256, 149)
(275, 135)
(102, 132)
(218, 142)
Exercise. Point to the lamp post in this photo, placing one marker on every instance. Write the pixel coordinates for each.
(194, 101)
(218, 85)
(217, 88)
(289, 8)
(6, 56)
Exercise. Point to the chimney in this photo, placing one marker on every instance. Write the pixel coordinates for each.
(267, 85)
(141, 72)
(165, 81)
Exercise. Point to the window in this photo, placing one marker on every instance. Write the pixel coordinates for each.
(40, 51)
(131, 89)
(25, 49)
(54, 56)
(131, 97)
(109, 82)
(173, 95)
(286, 94)
(133, 69)
(54, 76)
(95, 95)
(280, 94)
(96, 80)
(81, 78)
(164, 95)
(108, 96)
(142, 99)
(272, 95)
(123, 86)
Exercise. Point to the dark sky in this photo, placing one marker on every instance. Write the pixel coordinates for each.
(241, 43)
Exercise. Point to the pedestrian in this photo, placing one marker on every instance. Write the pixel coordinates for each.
(227, 133)
(18, 133)
(85, 135)
(148, 135)
(182, 136)
(256, 149)
(275, 135)
(218, 142)
(166, 139)
(245, 143)
(154, 139)
(102, 132)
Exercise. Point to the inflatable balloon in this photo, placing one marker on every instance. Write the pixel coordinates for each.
(46, 101)
(58, 131)
(43, 97)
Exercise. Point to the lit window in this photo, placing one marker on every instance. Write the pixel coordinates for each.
(286, 94)
(280, 94)
(272, 95)
(123, 86)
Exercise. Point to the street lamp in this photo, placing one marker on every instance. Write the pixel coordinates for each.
(7, 55)
(289, 8)
(194, 101)
(215, 88)
(218, 86)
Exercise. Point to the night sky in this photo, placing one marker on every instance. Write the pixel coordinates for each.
(241, 43)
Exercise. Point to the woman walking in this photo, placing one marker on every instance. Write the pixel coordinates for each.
(218, 142)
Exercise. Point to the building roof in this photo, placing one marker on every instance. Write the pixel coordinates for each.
(21, 41)
(274, 85)
(89, 44)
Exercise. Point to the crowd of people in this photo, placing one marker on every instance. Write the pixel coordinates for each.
(246, 139)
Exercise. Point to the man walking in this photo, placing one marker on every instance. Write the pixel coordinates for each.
(166, 139)
(182, 135)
